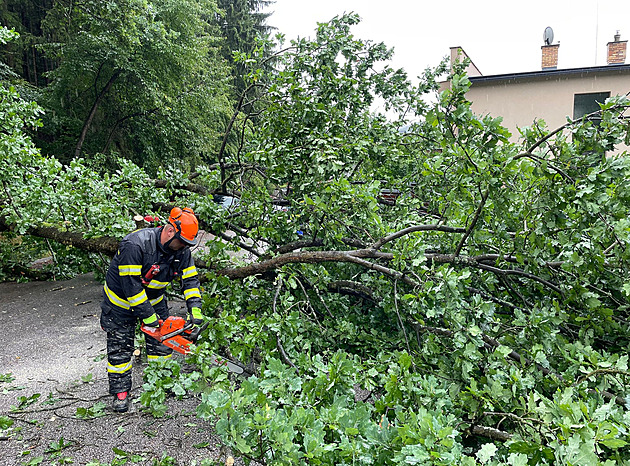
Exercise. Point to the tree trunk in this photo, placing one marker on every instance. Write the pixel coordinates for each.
(97, 102)
(105, 244)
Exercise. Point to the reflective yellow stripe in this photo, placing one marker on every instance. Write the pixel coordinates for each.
(119, 368)
(192, 293)
(124, 270)
(156, 300)
(150, 357)
(150, 319)
(156, 285)
(138, 299)
(114, 298)
(126, 304)
(189, 272)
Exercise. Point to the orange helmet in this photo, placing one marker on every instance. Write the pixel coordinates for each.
(185, 224)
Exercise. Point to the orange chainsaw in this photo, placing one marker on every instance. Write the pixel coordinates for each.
(179, 334)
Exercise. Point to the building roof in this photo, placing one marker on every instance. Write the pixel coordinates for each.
(546, 74)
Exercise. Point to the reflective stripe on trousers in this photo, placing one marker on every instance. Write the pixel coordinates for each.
(119, 368)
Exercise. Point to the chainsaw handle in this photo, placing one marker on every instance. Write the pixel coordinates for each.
(194, 334)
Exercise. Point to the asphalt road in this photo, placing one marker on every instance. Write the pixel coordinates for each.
(53, 353)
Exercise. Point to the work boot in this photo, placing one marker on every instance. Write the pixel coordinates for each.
(121, 402)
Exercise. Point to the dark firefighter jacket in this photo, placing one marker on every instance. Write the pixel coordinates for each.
(137, 252)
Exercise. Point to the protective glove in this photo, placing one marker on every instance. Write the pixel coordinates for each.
(196, 316)
(151, 321)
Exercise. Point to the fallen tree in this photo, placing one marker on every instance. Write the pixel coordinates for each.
(488, 303)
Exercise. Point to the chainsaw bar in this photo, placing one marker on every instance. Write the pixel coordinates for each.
(232, 367)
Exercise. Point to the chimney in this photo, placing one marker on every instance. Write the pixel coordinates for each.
(550, 56)
(617, 51)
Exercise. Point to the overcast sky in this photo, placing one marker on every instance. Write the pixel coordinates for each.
(500, 36)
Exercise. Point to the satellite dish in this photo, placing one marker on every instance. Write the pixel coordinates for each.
(548, 36)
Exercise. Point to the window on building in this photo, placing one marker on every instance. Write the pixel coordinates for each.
(583, 104)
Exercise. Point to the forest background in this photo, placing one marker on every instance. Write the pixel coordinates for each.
(482, 311)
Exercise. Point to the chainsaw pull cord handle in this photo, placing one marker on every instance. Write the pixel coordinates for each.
(156, 268)
(152, 272)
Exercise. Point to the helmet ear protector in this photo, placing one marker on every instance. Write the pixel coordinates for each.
(185, 224)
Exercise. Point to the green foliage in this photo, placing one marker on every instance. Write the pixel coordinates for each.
(5, 423)
(26, 60)
(164, 378)
(165, 460)
(7, 35)
(6, 378)
(34, 461)
(241, 23)
(17, 116)
(50, 399)
(516, 320)
(319, 122)
(123, 457)
(55, 448)
(29, 257)
(25, 401)
(76, 196)
(479, 319)
(141, 79)
(97, 410)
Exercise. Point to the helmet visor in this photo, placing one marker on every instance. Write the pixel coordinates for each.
(186, 241)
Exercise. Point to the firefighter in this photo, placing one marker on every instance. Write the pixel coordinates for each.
(146, 262)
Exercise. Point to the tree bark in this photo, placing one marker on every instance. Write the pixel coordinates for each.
(109, 245)
(104, 244)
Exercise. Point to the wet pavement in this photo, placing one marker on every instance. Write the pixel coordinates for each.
(53, 368)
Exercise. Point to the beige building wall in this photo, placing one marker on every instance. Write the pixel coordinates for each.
(458, 55)
(549, 95)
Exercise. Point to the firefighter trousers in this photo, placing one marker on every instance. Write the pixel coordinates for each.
(121, 329)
